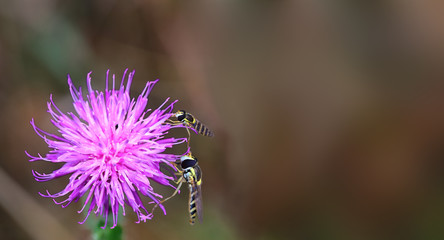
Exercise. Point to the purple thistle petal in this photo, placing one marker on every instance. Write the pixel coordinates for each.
(111, 147)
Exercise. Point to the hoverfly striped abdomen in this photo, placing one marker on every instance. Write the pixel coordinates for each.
(192, 203)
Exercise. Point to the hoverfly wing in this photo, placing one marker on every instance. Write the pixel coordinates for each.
(199, 203)
(195, 203)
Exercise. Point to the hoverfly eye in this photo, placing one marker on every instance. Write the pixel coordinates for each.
(180, 117)
(187, 163)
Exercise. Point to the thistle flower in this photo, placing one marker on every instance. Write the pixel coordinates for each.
(111, 149)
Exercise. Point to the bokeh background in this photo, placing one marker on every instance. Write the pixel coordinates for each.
(328, 115)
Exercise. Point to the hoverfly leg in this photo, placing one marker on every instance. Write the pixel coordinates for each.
(168, 198)
(172, 122)
(189, 136)
(179, 181)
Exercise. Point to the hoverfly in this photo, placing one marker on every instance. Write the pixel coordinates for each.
(190, 173)
(189, 120)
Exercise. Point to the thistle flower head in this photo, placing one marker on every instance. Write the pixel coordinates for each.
(111, 149)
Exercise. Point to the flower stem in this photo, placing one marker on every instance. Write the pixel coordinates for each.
(107, 233)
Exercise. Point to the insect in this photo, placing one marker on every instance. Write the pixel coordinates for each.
(190, 173)
(190, 121)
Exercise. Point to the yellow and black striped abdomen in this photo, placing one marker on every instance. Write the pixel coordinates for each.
(193, 205)
(201, 129)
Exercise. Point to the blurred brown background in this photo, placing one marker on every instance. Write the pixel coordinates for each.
(329, 115)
